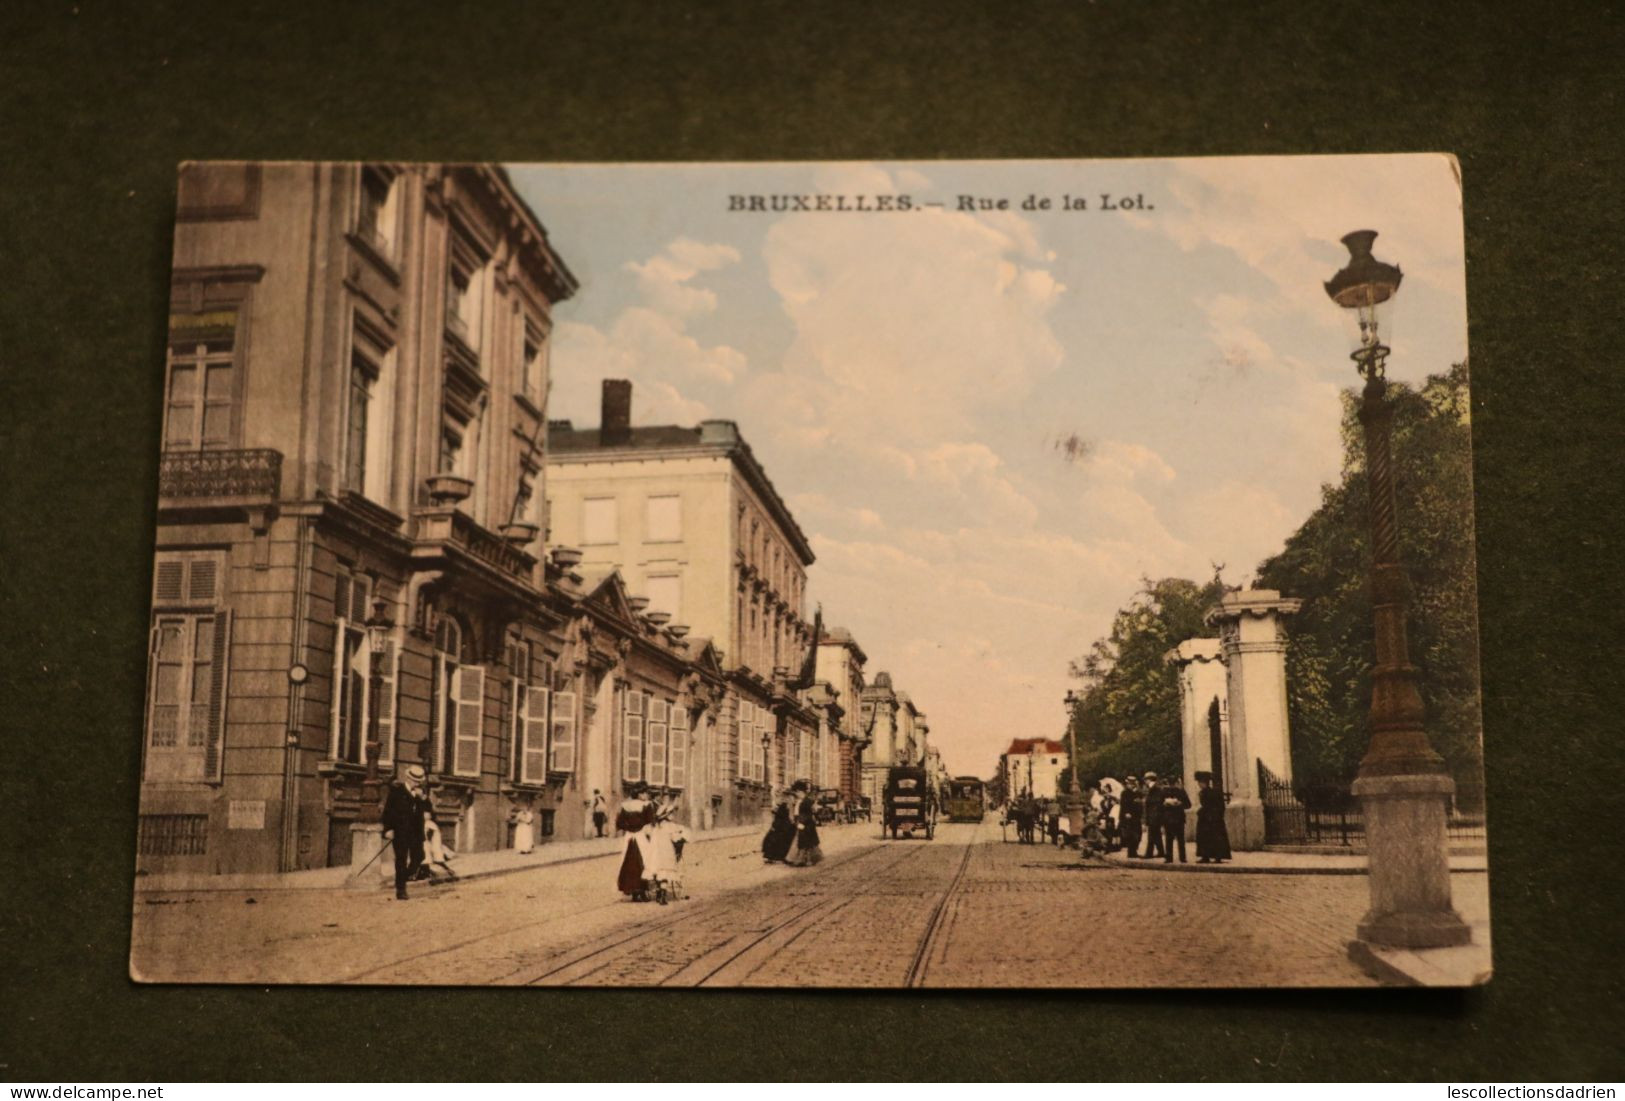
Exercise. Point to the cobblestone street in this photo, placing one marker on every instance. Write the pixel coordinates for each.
(963, 910)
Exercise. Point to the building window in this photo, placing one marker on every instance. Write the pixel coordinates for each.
(191, 640)
(665, 592)
(677, 772)
(465, 291)
(561, 749)
(530, 716)
(458, 706)
(351, 666)
(659, 724)
(367, 419)
(632, 737)
(202, 382)
(363, 375)
(376, 217)
(598, 521)
(663, 519)
(533, 363)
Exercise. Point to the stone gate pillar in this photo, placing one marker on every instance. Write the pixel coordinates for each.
(1202, 679)
(1254, 653)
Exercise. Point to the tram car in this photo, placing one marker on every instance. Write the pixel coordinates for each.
(909, 808)
(965, 799)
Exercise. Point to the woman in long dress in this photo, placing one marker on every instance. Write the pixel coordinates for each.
(806, 852)
(635, 815)
(524, 830)
(1212, 839)
(780, 835)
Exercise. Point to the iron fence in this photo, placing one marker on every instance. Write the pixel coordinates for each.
(1330, 814)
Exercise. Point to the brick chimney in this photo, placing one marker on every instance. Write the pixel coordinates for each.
(615, 421)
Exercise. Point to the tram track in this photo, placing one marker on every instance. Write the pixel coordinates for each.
(721, 940)
(935, 926)
(724, 963)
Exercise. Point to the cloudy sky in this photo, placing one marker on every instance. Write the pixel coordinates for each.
(992, 424)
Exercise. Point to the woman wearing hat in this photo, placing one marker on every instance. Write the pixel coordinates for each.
(403, 825)
(1212, 839)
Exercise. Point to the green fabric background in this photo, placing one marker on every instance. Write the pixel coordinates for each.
(98, 102)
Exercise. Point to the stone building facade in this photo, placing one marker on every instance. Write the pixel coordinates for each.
(840, 665)
(690, 519)
(354, 431)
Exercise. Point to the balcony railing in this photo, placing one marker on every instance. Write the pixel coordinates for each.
(444, 524)
(220, 475)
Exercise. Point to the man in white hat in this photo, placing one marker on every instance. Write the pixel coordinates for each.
(403, 825)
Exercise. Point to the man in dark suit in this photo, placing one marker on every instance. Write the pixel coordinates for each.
(403, 825)
(1128, 815)
(1175, 802)
(1153, 816)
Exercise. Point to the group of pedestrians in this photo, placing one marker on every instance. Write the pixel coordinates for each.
(792, 838)
(653, 845)
(1154, 808)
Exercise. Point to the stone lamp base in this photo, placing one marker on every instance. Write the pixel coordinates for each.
(1408, 855)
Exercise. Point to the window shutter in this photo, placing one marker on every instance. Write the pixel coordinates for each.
(168, 585)
(389, 676)
(745, 756)
(361, 669)
(341, 596)
(512, 762)
(679, 746)
(563, 749)
(659, 710)
(632, 738)
(336, 703)
(214, 745)
(469, 696)
(533, 762)
(202, 581)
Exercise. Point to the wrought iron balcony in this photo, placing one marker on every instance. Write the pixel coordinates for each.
(252, 476)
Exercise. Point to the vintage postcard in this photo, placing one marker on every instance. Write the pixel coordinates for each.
(956, 574)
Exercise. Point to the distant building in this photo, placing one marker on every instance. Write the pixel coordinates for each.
(840, 665)
(1032, 765)
(897, 733)
(689, 518)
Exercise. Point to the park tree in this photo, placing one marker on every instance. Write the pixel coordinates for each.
(1126, 717)
(1326, 563)
(1127, 714)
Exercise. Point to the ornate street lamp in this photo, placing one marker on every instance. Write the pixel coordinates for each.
(1074, 795)
(1403, 785)
(379, 627)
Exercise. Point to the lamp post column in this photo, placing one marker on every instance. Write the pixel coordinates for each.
(1403, 785)
(1074, 795)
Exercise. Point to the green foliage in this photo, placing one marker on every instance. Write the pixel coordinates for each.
(1326, 562)
(1127, 715)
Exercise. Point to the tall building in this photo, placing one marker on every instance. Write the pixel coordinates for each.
(897, 733)
(690, 519)
(353, 459)
(840, 665)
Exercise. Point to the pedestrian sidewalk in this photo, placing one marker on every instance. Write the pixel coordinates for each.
(478, 865)
(1276, 862)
